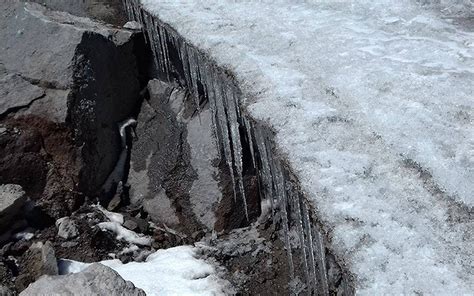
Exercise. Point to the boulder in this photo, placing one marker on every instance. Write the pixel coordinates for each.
(97, 279)
(67, 228)
(12, 198)
(71, 70)
(40, 259)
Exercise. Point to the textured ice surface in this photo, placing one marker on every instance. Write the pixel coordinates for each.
(173, 271)
(372, 103)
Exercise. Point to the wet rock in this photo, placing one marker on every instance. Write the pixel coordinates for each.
(67, 228)
(153, 157)
(97, 279)
(173, 170)
(39, 260)
(12, 198)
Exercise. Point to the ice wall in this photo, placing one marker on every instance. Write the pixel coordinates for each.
(305, 243)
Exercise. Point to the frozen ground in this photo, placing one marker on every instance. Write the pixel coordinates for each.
(373, 107)
(174, 271)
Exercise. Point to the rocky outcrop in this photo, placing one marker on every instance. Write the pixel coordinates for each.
(70, 70)
(12, 198)
(94, 280)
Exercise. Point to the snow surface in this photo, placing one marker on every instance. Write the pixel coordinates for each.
(372, 102)
(125, 234)
(174, 271)
(113, 217)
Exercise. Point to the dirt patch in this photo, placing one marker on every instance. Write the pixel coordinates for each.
(40, 155)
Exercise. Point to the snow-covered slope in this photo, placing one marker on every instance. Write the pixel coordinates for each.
(373, 108)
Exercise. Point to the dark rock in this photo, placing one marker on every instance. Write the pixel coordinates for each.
(6, 277)
(87, 72)
(5, 291)
(97, 279)
(69, 244)
(39, 260)
(115, 202)
(12, 198)
(130, 224)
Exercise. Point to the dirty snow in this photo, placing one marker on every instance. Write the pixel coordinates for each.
(113, 217)
(372, 102)
(174, 271)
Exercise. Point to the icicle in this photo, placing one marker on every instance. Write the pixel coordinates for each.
(193, 69)
(158, 45)
(304, 247)
(281, 193)
(163, 49)
(265, 174)
(150, 25)
(222, 120)
(321, 260)
(309, 242)
(185, 60)
(248, 130)
(230, 107)
(209, 81)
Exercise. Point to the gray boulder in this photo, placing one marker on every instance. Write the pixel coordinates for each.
(67, 228)
(97, 279)
(70, 70)
(39, 260)
(12, 198)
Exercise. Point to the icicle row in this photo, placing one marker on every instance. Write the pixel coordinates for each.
(226, 116)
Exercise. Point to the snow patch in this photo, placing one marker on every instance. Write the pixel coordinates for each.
(123, 233)
(173, 271)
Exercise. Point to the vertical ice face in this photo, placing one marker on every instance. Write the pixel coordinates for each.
(202, 78)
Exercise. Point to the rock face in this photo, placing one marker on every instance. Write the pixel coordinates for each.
(12, 198)
(174, 163)
(16, 92)
(70, 70)
(95, 280)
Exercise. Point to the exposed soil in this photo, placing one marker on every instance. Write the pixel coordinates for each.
(39, 155)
